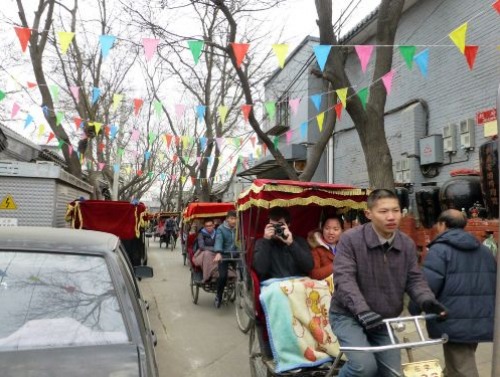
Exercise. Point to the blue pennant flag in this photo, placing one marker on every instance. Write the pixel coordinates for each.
(322, 52)
(316, 99)
(45, 110)
(303, 131)
(422, 60)
(96, 93)
(210, 160)
(147, 155)
(162, 176)
(106, 42)
(200, 110)
(203, 143)
(28, 120)
(113, 131)
(116, 168)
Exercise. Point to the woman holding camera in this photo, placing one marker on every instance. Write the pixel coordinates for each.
(323, 243)
(280, 254)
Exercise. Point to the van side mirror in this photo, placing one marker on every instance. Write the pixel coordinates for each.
(143, 272)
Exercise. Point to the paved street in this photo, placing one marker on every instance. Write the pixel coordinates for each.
(193, 340)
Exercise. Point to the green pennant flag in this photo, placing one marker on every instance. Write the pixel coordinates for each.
(59, 118)
(150, 174)
(363, 96)
(121, 151)
(54, 91)
(2, 95)
(276, 142)
(408, 52)
(152, 137)
(158, 107)
(196, 47)
(61, 142)
(236, 142)
(271, 109)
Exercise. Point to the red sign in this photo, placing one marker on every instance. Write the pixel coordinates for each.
(486, 116)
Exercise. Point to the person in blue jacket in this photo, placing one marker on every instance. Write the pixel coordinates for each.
(462, 274)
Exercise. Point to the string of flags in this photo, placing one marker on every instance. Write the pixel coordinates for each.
(364, 53)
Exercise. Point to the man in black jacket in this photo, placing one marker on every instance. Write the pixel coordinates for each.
(462, 274)
(279, 253)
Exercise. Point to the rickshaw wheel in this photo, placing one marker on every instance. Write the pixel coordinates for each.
(195, 289)
(257, 366)
(242, 309)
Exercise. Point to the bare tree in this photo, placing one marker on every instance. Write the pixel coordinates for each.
(369, 122)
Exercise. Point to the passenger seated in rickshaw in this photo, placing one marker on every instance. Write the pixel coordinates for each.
(204, 254)
(279, 253)
(224, 247)
(323, 243)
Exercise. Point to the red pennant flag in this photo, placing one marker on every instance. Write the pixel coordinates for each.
(107, 130)
(177, 140)
(239, 51)
(137, 105)
(78, 122)
(264, 148)
(252, 140)
(496, 6)
(470, 53)
(32, 85)
(51, 136)
(193, 180)
(168, 139)
(246, 111)
(175, 158)
(338, 110)
(139, 172)
(24, 34)
(101, 147)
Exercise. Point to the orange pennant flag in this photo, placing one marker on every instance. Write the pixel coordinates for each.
(32, 85)
(168, 139)
(470, 53)
(24, 34)
(137, 105)
(239, 51)
(51, 136)
(338, 110)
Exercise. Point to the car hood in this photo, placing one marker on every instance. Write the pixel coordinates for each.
(119, 360)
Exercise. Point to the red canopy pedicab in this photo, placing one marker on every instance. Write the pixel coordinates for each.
(161, 220)
(123, 219)
(192, 222)
(308, 203)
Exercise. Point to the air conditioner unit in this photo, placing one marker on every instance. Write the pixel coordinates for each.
(467, 126)
(399, 177)
(449, 145)
(405, 164)
(407, 176)
(450, 130)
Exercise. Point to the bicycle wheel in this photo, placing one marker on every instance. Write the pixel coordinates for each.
(242, 307)
(195, 289)
(257, 366)
(172, 242)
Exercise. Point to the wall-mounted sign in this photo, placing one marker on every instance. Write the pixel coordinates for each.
(486, 116)
(8, 202)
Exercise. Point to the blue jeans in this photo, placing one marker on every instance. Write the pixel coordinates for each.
(364, 364)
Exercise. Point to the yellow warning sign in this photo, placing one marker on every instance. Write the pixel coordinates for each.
(8, 202)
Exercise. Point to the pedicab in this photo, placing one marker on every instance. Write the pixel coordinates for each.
(161, 220)
(284, 342)
(126, 220)
(192, 222)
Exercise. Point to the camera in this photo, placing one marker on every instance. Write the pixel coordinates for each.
(279, 231)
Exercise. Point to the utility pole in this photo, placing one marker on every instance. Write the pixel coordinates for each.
(495, 368)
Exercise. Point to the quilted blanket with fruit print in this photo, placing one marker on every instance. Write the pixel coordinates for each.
(296, 313)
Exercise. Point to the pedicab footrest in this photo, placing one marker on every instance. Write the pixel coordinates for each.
(422, 368)
(395, 346)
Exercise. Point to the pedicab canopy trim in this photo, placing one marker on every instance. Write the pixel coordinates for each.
(267, 193)
(121, 218)
(204, 210)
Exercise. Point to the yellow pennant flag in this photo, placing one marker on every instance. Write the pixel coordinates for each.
(97, 127)
(281, 51)
(161, 157)
(342, 93)
(183, 179)
(458, 36)
(223, 113)
(185, 141)
(41, 130)
(128, 169)
(117, 99)
(320, 118)
(65, 39)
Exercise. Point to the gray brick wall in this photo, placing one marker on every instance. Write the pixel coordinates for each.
(452, 92)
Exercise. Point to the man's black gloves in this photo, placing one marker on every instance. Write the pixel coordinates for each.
(370, 320)
(435, 307)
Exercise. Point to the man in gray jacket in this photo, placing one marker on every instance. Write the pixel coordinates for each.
(374, 266)
(462, 274)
